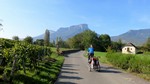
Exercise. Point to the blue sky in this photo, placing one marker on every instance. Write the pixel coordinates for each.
(32, 17)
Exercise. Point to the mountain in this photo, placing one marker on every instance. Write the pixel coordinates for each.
(137, 37)
(42, 35)
(65, 32)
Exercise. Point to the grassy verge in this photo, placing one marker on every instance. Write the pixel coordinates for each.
(138, 64)
(134, 64)
(101, 56)
(61, 49)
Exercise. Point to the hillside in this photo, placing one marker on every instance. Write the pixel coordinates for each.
(137, 37)
(65, 32)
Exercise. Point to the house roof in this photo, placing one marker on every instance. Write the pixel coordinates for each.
(130, 44)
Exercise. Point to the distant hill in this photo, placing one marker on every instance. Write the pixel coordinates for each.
(137, 37)
(65, 32)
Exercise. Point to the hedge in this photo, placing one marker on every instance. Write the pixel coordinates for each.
(133, 63)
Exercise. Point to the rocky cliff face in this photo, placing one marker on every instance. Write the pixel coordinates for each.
(65, 32)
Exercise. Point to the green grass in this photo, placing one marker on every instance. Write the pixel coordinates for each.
(61, 49)
(138, 64)
(103, 59)
(53, 49)
(101, 56)
(144, 54)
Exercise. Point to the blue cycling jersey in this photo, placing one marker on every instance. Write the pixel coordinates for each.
(91, 50)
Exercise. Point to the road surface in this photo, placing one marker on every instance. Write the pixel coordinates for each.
(75, 71)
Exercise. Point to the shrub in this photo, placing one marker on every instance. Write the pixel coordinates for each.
(140, 64)
(133, 63)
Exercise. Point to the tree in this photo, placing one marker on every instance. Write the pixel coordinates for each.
(117, 46)
(15, 38)
(84, 40)
(114, 46)
(120, 44)
(62, 43)
(89, 37)
(105, 41)
(47, 38)
(0, 27)
(28, 39)
(53, 44)
(75, 41)
(147, 44)
(39, 42)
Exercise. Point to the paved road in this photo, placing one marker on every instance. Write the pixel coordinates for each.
(75, 71)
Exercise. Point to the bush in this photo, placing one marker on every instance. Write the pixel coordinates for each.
(140, 64)
(1, 69)
(119, 60)
(133, 63)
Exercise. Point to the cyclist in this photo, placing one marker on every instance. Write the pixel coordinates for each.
(90, 52)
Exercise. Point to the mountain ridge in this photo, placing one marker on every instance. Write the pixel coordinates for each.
(138, 37)
(65, 32)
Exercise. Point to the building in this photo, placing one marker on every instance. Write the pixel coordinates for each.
(129, 49)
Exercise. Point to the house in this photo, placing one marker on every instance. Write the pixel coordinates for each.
(129, 49)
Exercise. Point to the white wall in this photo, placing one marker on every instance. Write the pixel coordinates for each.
(129, 50)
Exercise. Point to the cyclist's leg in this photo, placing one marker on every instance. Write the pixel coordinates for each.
(89, 57)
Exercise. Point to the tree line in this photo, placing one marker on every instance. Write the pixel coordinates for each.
(82, 41)
(79, 41)
(99, 42)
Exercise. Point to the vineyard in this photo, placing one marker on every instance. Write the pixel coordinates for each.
(27, 63)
